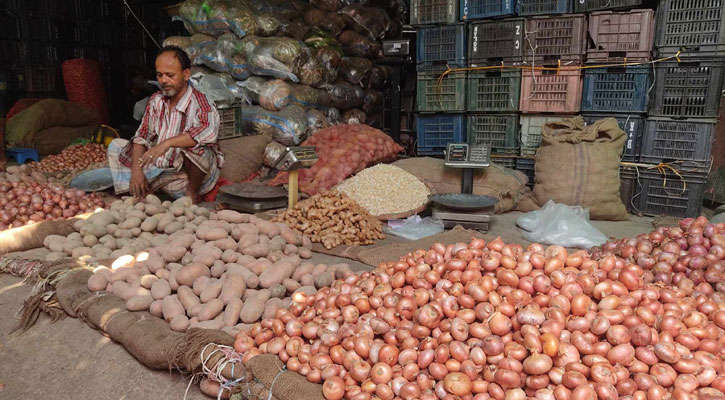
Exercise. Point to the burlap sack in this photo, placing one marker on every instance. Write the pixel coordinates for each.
(31, 126)
(32, 236)
(268, 370)
(579, 165)
(243, 156)
(507, 185)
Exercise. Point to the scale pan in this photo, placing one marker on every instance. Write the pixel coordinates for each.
(463, 202)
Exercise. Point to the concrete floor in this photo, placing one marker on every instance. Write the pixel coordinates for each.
(70, 360)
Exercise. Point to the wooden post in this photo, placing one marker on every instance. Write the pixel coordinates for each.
(293, 191)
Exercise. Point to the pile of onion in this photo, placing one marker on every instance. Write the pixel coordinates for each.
(72, 158)
(636, 319)
(24, 203)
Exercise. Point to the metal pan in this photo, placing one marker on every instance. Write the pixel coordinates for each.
(463, 202)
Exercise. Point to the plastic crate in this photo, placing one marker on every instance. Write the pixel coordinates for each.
(230, 122)
(436, 131)
(40, 54)
(436, 94)
(549, 91)
(542, 7)
(496, 41)
(424, 12)
(596, 5)
(528, 167)
(616, 89)
(616, 37)
(11, 26)
(632, 125)
(629, 189)
(555, 38)
(39, 28)
(494, 90)
(504, 162)
(687, 143)
(35, 80)
(531, 129)
(477, 9)
(687, 89)
(695, 25)
(11, 52)
(500, 130)
(441, 45)
(666, 193)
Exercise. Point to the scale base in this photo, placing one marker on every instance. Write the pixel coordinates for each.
(250, 206)
(477, 220)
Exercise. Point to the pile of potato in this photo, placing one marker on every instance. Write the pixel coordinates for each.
(126, 228)
(225, 272)
(332, 218)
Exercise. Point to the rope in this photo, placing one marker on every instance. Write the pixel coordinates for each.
(141, 23)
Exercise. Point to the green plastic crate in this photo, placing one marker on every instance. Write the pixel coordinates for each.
(441, 95)
(494, 90)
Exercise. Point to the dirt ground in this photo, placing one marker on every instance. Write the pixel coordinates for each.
(69, 360)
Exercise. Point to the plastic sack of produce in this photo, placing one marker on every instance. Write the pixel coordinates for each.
(273, 153)
(357, 45)
(333, 115)
(316, 38)
(253, 86)
(216, 17)
(316, 121)
(375, 120)
(344, 95)
(284, 10)
(192, 45)
(287, 126)
(328, 5)
(371, 21)
(342, 150)
(219, 88)
(276, 56)
(562, 225)
(217, 55)
(274, 94)
(329, 21)
(295, 29)
(308, 97)
(354, 117)
(379, 76)
(329, 59)
(374, 101)
(355, 69)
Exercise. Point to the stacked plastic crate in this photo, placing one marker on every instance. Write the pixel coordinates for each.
(441, 100)
(552, 38)
(684, 103)
(494, 38)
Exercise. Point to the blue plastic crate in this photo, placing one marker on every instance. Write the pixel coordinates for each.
(477, 9)
(616, 89)
(435, 131)
(442, 45)
(542, 7)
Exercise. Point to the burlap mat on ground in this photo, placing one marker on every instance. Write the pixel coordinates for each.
(393, 252)
(270, 371)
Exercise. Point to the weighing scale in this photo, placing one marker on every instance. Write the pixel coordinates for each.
(465, 209)
(251, 197)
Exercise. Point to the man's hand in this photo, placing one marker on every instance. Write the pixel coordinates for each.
(138, 186)
(153, 154)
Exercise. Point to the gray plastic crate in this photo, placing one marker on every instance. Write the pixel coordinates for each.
(500, 130)
(596, 5)
(424, 12)
(683, 143)
(436, 94)
(230, 122)
(697, 26)
(561, 37)
(632, 125)
(666, 193)
(687, 89)
(496, 41)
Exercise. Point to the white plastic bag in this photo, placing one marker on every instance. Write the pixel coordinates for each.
(415, 227)
(562, 225)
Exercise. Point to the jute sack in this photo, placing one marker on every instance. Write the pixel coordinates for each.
(31, 236)
(578, 165)
(270, 371)
(507, 185)
(243, 156)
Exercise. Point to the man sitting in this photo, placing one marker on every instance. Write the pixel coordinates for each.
(175, 149)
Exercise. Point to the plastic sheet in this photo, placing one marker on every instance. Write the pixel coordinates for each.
(287, 126)
(561, 225)
(415, 227)
(214, 86)
(253, 86)
(273, 153)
